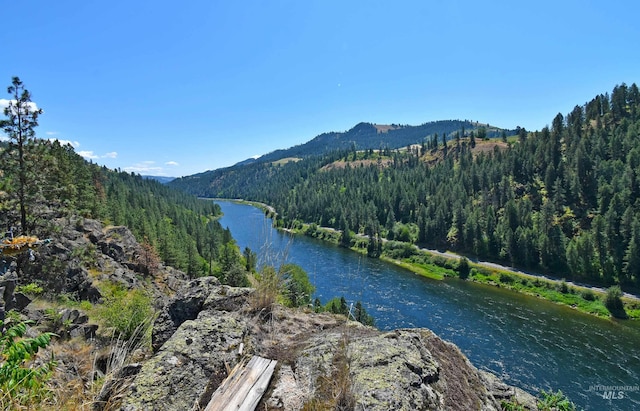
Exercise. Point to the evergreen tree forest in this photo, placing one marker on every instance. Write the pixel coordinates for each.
(41, 180)
(564, 200)
(183, 230)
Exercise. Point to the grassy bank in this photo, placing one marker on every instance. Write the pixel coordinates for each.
(583, 299)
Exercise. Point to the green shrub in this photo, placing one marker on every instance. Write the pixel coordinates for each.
(312, 230)
(31, 289)
(506, 278)
(128, 313)
(406, 233)
(511, 405)
(397, 250)
(588, 295)
(339, 306)
(613, 302)
(86, 254)
(297, 287)
(555, 401)
(85, 305)
(463, 268)
(236, 276)
(22, 382)
(361, 315)
(563, 287)
(444, 262)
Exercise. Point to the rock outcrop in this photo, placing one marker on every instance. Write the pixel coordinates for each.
(83, 251)
(205, 329)
(323, 360)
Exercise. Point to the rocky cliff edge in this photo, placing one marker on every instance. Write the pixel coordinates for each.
(324, 361)
(205, 329)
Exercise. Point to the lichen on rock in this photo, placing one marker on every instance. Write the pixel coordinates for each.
(199, 351)
(323, 360)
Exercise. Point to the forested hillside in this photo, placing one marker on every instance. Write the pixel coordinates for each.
(184, 230)
(564, 199)
(365, 136)
(41, 180)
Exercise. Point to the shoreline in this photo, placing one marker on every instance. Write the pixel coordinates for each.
(439, 265)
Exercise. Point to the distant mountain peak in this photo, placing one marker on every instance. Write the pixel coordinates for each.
(160, 179)
(364, 136)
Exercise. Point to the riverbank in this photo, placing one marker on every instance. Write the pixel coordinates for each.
(438, 265)
(584, 298)
(270, 211)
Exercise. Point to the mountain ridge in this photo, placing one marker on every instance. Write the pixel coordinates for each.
(365, 135)
(564, 200)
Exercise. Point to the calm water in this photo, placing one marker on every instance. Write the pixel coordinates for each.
(530, 343)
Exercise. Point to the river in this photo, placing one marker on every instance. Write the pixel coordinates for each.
(528, 342)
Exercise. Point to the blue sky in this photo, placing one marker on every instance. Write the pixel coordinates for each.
(175, 88)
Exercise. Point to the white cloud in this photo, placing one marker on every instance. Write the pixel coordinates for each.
(145, 167)
(171, 163)
(5, 103)
(88, 154)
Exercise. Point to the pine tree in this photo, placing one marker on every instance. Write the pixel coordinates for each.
(18, 159)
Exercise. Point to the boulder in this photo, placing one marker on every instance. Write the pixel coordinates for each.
(120, 244)
(186, 305)
(393, 370)
(323, 360)
(410, 369)
(204, 293)
(112, 387)
(196, 356)
(92, 229)
(86, 331)
(79, 283)
(22, 301)
(7, 288)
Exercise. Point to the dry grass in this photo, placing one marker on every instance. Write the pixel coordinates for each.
(285, 161)
(71, 386)
(335, 389)
(384, 128)
(114, 371)
(356, 163)
(488, 146)
(84, 371)
(267, 291)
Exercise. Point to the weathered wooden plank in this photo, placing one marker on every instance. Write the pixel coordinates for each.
(244, 387)
(250, 375)
(252, 399)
